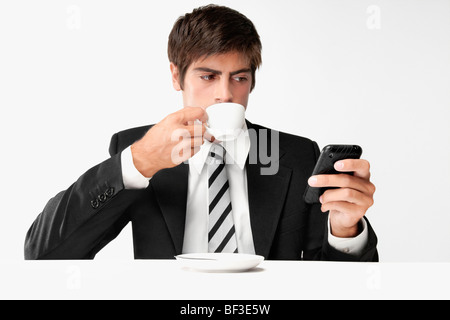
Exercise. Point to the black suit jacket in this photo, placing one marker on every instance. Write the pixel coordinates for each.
(78, 222)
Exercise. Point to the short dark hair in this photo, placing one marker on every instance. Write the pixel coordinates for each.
(211, 30)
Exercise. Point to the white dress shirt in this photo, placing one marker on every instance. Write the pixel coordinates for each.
(196, 227)
(197, 216)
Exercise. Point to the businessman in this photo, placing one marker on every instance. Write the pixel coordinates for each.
(210, 197)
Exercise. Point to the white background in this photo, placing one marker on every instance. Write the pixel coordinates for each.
(72, 73)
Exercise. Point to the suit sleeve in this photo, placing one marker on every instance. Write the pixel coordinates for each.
(81, 220)
(318, 247)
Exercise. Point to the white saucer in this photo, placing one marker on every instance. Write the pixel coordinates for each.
(219, 262)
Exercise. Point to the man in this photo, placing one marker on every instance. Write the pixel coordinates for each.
(214, 53)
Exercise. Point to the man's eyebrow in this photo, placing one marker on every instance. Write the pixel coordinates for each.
(245, 70)
(201, 69)
(208, 70)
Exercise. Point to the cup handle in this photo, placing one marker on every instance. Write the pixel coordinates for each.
(196, 121)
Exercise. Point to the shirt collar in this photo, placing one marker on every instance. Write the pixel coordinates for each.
(236, 151)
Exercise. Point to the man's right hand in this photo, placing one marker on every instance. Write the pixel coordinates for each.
(170, 142)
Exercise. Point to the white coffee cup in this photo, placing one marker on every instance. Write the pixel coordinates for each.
(225, 120)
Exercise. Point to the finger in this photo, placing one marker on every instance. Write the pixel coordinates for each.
(347, 195)
(185, 152)
(342, 181)
(360, 167)
(196, 121)
(196, 130)
(347, 208)
(191, 114)
(197, 142)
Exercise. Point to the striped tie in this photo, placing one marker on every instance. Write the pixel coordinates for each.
(221, 234)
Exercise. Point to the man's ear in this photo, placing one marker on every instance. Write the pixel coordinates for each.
(175, 77)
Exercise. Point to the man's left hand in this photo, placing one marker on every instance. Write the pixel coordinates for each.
(350, 202)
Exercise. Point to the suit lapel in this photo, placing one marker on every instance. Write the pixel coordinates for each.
(171, 188)
(266, 197)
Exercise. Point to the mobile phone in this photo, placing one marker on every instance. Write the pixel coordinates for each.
(325, 165)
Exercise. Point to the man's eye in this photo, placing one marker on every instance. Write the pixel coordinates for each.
(240, 79)
(207, 77)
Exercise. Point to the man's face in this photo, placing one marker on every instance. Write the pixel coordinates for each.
(216, 79)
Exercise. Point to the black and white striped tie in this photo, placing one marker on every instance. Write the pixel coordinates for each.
(221, 235)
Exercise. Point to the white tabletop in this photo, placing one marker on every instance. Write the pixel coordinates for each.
(271, 280)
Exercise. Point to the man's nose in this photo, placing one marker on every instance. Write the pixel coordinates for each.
(223, 92)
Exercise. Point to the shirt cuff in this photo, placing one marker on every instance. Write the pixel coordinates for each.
(132, 178)
(353, 246)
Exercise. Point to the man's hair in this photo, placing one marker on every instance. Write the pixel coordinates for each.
(211, 30)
